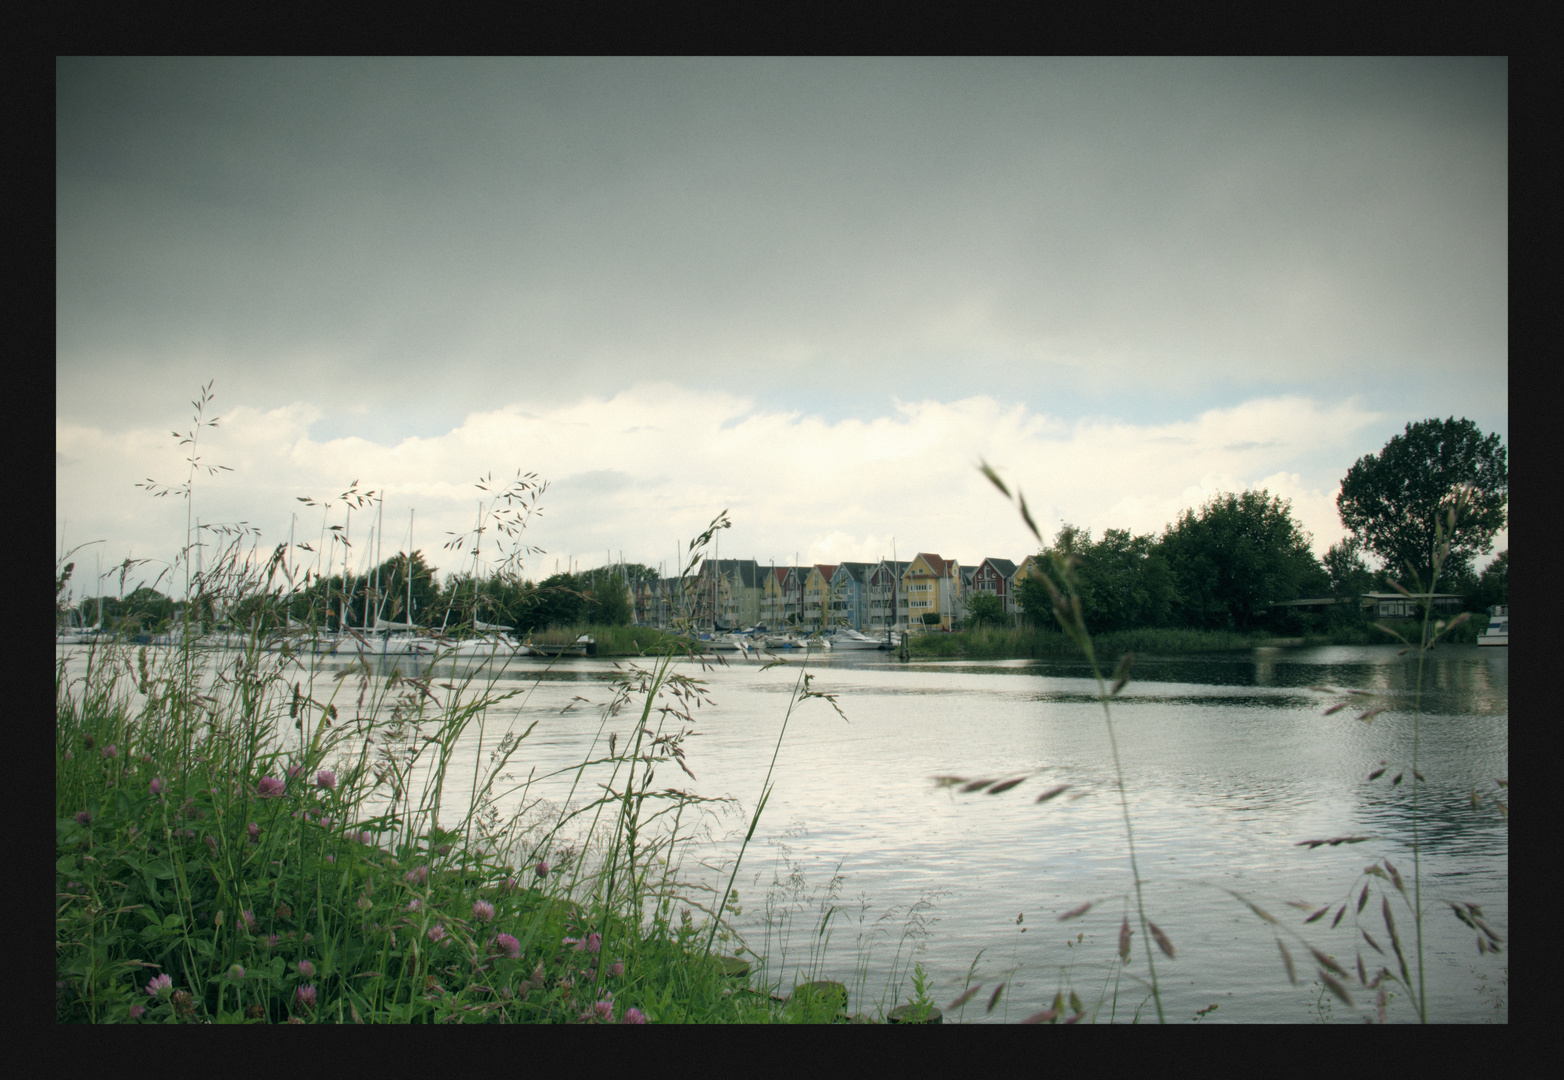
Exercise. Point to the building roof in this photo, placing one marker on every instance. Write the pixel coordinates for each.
(858, 571)
(1005, 567)
(938, 563)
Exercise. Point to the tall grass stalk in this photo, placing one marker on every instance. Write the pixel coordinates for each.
(1067, 611)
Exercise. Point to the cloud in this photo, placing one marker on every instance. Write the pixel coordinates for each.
(642, 471)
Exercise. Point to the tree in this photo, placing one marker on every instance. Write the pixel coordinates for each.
(1237, 556)
(1033, 600)
(608, 598)
(1492, 586)
(1390, 501)
(1349, 575)
(985, 607)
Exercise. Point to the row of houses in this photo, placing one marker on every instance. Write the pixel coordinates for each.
(928, 592)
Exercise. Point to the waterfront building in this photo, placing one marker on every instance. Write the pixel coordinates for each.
(997, 577)
(933, 587)
(887, 601)
(850, 595)
(729, 591)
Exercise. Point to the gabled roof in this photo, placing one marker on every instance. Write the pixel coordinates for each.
(746, 571)
(1006, 568)
(858, 571)
(895, 567)
(826, 569)
(940, 565)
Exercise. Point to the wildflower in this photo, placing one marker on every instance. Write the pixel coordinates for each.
(272, 940)
(437, 933)
(542, 870)
(211, 843)
(509, 885)
(445, 849)
(111, 751)
(594, 942)
(331, 858)
(296, 771)
(137, 1012)
(157, 785)
(482, 910)
(326, 779)
(417, 875)
(270, 787)
(83, 818)
(616, 969)
(236, 973)
(603, 1010)
(160, 983)
(590, 974)
(414, 904)
(633, 1016)
(306, 996)
(255, 832)
(364, 903)
(306, 969)
(508, 945)
(249, 919)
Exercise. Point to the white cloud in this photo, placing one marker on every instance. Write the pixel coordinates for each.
(647, 468)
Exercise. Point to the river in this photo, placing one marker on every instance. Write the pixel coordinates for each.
(863, 864)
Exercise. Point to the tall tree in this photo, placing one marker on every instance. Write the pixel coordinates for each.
(1391, 500)
(1236, 556)
(1123, 580)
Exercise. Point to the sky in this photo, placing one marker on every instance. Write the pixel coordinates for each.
(816, 293)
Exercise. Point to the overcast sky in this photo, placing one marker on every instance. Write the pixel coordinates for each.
(813, 292)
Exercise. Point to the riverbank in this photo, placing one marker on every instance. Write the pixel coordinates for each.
(1017, 643)
(234, 852)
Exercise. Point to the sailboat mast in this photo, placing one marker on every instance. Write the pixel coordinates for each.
(410, 570)
(380, 537)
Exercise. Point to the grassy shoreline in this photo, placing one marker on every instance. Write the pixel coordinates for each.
(233, 849)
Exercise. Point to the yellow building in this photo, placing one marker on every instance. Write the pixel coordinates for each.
(817, 591)
(932, 585)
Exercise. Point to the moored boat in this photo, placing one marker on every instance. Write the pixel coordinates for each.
(848, 638)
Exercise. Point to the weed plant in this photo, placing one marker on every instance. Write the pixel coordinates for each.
(248, 833)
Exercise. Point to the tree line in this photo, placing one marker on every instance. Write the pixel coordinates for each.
(1222, 566)
(1219, 567)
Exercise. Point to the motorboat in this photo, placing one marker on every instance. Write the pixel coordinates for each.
(1498, 629)
(848, 638)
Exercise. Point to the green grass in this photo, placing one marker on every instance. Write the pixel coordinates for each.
(195, 842)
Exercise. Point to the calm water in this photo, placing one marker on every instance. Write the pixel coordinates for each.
(1229, 762)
